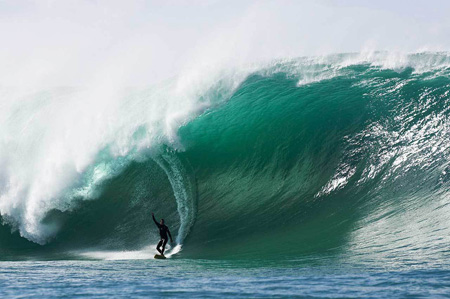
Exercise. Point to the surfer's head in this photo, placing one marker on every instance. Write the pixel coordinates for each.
(162, 221)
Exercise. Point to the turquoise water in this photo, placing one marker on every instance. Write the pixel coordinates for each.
(316, 177)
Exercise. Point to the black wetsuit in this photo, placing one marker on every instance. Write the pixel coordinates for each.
(163, 232)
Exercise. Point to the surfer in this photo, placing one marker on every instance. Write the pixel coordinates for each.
(163, 232)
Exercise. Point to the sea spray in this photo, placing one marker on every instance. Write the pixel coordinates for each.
(184, 189)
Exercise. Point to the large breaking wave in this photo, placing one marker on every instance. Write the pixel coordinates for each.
(345, 154)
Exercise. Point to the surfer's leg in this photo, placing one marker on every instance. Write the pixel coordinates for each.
(159, 245)
(163, 245)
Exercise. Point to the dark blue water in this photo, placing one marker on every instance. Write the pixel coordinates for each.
(219, 279)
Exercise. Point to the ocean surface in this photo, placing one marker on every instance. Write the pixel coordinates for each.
(215, 279)
(311, 177)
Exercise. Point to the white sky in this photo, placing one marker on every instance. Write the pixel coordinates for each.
(142, 42)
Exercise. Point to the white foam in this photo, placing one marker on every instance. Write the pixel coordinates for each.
(145, 253)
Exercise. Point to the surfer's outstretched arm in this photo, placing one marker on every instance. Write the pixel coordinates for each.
(156, 222)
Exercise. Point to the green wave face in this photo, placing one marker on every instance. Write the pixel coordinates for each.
(351, 164)
(288, 170)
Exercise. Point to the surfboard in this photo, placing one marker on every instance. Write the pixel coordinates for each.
(160, 257)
